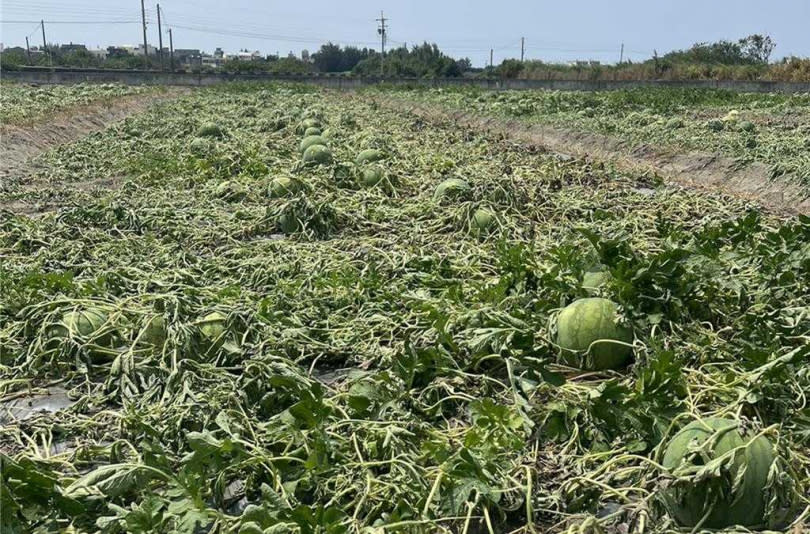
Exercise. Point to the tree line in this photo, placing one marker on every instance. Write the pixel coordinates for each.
(748, 58)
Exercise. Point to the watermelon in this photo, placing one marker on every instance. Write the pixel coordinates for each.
(87, 327)
(199, 146)
(307, 123)
(210, 129)
(311, 140)
(369, 156)
(590, 336)
(747, 126)
(231, 191)
(372, 176)
(715, 125)
(212, 328)
(288, 223)
(155, 332)
(715, 496)
(281, 186)
(482, 220)
(84, 325)
(312, 130)
(452, 187)
(317, 155)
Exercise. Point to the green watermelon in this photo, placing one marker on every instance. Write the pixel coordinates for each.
(210, 129)
(587, 333)
(288, 223)
(212, 328)
(714, 497)
(715, 125)
(84, 325)
(369, 156)
(482, 220)
(311, 141)
(307, 123)
(317, 155)
(747, 126)
(199, 146)
(452, 187)
(312, 130)
(230, 190)
(372, 176)
(281, 186)
(155, 332)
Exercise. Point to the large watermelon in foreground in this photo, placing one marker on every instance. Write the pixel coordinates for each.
(590, 336)
(736, 494)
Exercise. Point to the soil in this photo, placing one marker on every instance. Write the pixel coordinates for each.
(20, 144)
(692, 169)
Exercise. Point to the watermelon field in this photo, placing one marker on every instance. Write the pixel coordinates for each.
(256, 309)
(770, 129)
(25, 103)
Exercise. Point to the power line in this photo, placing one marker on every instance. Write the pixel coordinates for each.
(72, 21)
(267, 37)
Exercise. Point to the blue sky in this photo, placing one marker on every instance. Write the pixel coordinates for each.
(554, 31)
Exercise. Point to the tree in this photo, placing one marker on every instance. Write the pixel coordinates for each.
(758, 47)
(509, 68)
(333, 58)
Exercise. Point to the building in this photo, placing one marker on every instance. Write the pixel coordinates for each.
(246, 55)
(66, 48)
(98, 53)
(187, 56)
(150, 50)
(117, 52)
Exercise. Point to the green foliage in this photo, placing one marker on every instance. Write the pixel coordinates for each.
(422, 61)
(334, 58)
(373, 364)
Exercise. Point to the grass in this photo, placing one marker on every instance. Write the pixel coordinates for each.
(383, 368)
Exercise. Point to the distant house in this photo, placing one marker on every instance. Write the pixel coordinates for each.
(584, 63)
(150, 50)
(98, 53)
(65, 48)
(187, 56)
(117, 52)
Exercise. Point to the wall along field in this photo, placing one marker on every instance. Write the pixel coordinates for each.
(451, 333)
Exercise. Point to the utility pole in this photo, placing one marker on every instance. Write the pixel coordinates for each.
(522, 48)
(491, 50)
(28, 50)
(45, 44)
(171, 51)
(160, 40)
(383, 35)
(145, 50)
(621, 55)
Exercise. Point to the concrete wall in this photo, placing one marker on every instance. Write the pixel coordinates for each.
(65, 76)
